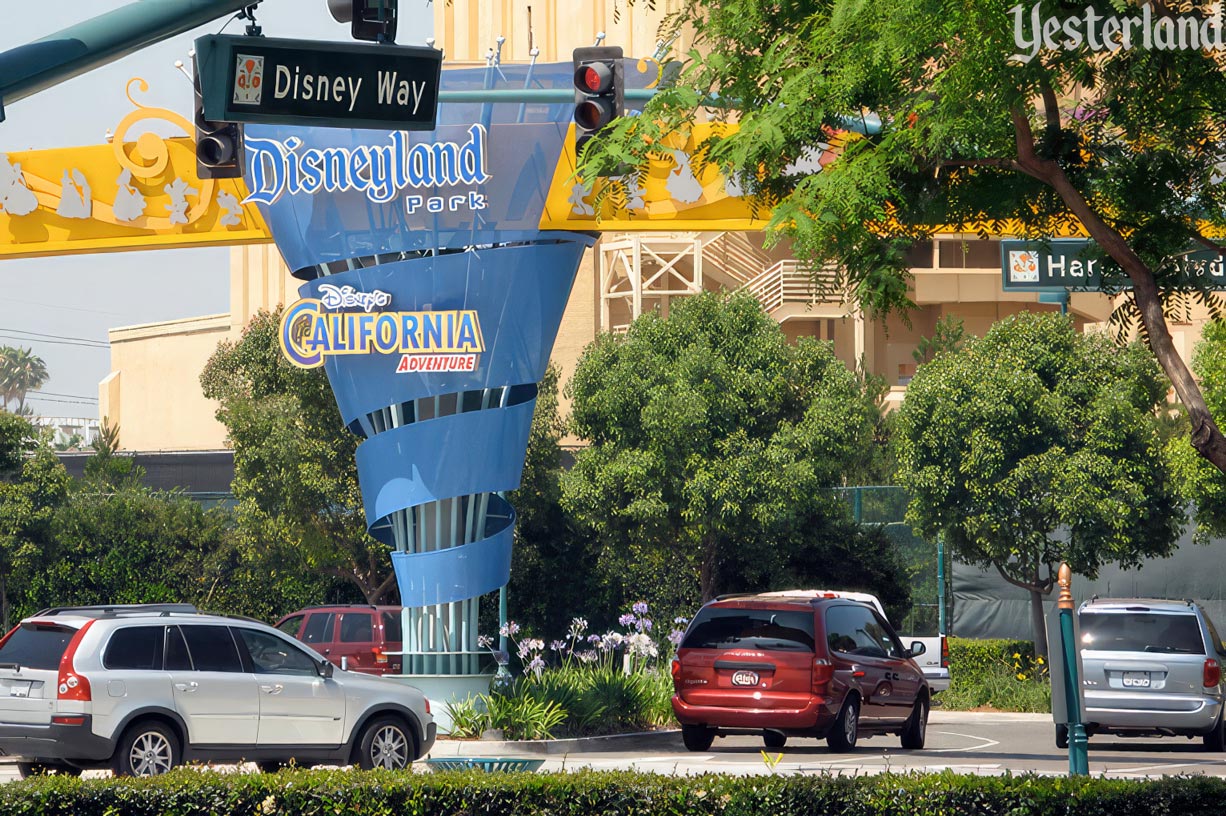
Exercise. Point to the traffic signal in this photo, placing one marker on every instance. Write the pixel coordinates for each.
(219, 145)
(599, 95)
(373, 20)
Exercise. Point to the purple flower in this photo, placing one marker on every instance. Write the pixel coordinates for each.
(626, 620)
(485, 641)
(557, 645)
(674, 637)
(640, 608)
(509, 630)
(644, 624)
(593, 639)
(536, 666)
(681, 620)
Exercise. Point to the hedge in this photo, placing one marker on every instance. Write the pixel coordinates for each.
(188, 792)
(972, 661)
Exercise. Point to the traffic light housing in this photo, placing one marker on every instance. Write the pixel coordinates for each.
(219, 145)
(599, 91)
(373, 20)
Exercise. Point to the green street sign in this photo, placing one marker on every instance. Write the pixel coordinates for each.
(1060, 264)
(325, 84)
(1051, 266)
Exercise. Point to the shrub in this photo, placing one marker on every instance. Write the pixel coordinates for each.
(382, 793)
(1003, 674)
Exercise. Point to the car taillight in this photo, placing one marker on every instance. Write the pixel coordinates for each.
(1213, 673)
(676, 671)
(427, 699)
(72, 685)
(944, 652)
(823, 673)
(380, 657)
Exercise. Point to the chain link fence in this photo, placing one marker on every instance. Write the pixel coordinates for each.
(886, 507)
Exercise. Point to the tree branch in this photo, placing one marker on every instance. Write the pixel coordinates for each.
(1014, 581)
(1028, 160)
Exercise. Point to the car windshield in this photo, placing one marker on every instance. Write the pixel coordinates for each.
(724, 628)
(1141, 632)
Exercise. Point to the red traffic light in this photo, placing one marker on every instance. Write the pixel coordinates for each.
(594, 77)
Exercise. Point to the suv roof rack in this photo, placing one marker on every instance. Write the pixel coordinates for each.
(735, 595)
(119, 609)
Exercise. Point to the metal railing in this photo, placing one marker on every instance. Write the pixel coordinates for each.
(792, 281)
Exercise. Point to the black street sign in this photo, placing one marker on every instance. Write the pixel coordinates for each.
(350, 85)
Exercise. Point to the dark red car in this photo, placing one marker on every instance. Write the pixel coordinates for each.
(798, 663)
(368, 637)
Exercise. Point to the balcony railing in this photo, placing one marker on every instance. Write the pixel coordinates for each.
(791, 281)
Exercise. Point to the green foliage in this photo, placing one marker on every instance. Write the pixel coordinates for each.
(21, 371)
(1127, 145)
(1003, 674)
(294, 473)
(1200, 481)
(582, 793)
(947, 337)
(1036, 445)
(713, 447)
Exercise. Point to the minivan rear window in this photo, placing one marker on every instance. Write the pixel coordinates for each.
(1141, 632)
(730, 628)
(37, 646)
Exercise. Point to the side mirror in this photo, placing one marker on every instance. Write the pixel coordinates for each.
(325, 669)
(918, 648)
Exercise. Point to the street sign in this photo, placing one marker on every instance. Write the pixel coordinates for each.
(1060, 264)
(325, 84)
(1054, 265)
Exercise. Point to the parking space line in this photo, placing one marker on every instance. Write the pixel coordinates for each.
(985, 743)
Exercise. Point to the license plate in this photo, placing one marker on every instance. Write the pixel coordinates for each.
(745, 678)
(19, 689)
(1136, 679)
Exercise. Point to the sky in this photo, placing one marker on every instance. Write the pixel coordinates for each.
(62, 307)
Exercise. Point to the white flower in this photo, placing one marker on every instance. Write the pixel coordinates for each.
(641, 645)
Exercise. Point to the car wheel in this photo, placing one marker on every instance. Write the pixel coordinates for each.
(773, 739)
(1062, 737)
(1215, 740)
(28, 769)
(916, 729)
(385, 743)
(147, 748)
(846, 729)
(697, 737)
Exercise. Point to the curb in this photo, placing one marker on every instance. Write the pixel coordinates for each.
(644, 741)
(939, 717)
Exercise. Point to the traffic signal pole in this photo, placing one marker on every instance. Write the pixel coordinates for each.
(33, 67)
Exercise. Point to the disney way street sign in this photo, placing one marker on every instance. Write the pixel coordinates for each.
(349, 85)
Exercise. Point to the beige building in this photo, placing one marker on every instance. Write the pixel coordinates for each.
(153, 391)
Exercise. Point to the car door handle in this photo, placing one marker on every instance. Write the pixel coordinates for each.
(187, 688)
(273, 689)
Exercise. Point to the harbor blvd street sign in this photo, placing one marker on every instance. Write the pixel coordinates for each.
(1060, 264)
(350, 85)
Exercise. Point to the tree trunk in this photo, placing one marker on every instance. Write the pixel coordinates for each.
(1038, 623)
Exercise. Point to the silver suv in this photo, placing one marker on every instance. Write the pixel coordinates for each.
(1152, 668)
(143, 688)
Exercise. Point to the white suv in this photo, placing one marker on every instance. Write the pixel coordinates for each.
(143, 688)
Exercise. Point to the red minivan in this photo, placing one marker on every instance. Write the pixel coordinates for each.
(798, 663)
(367, 636)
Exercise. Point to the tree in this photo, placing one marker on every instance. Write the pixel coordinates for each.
(1204, 484)
(33, 484)
(294, 473)
(714, 445)
(1036, 445)
(1126, 145)
(947, 337)
(21, 371)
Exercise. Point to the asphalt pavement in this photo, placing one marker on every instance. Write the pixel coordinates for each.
(963, 742)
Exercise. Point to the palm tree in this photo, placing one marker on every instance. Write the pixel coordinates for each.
(21, 371)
